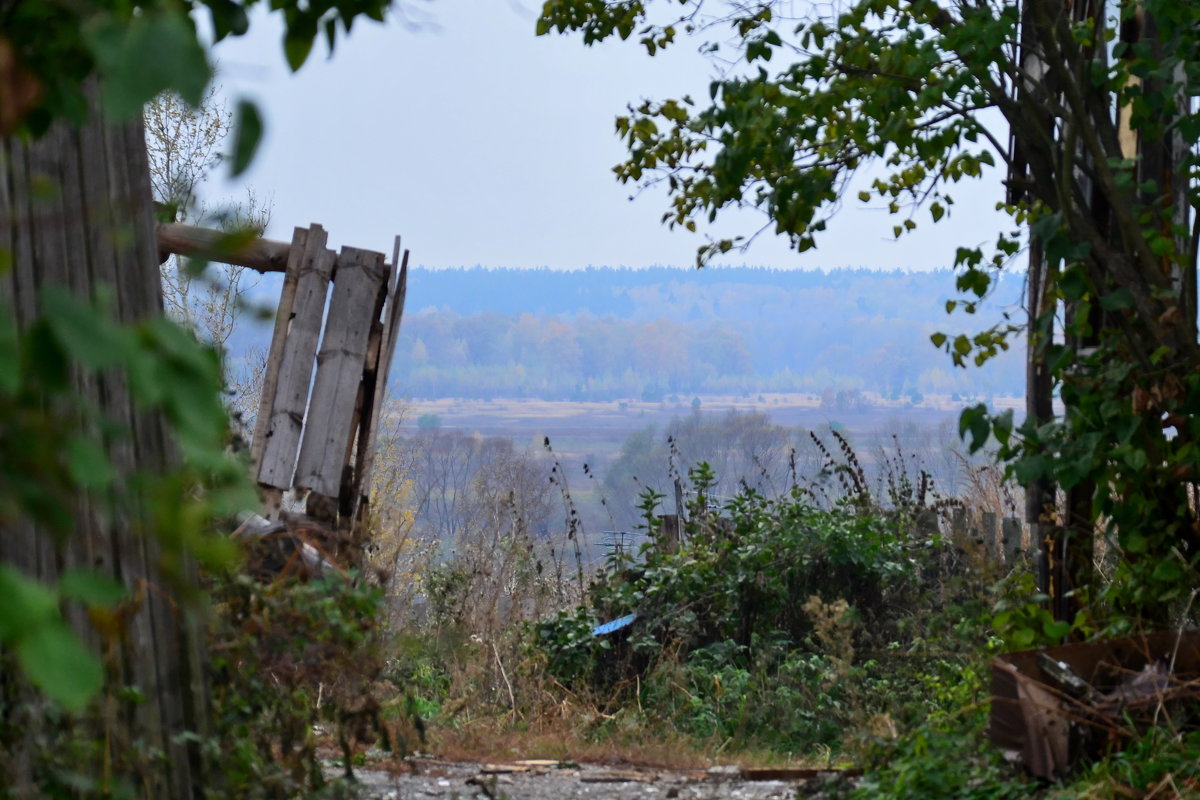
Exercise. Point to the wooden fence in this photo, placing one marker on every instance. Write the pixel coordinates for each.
(335, 334)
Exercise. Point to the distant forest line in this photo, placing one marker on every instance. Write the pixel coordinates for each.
(613, 333)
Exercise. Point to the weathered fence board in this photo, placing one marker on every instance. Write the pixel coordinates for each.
(283, 321)
(89, 228)
(360, 275)
(317, 433)
(286, 409)
(391, 333)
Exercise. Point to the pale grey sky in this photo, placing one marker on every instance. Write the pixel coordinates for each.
(481, 143)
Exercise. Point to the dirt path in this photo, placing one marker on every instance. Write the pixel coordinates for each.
(546, 780)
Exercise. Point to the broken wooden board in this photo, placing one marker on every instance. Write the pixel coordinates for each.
(295, 368)
(617, 776)
(390, 334)
(1057, 725)
(328, 427)
(283, 320)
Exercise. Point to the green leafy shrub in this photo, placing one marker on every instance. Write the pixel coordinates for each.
(778, 622)
(944, 759)
(285, 656)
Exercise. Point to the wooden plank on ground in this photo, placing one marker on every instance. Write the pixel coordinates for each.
(286, 422)
(360, 273)
(283, 319)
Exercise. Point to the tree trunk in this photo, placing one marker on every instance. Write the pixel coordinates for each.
(76, 211)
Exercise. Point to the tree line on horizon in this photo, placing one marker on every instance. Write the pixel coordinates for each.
(617, 333)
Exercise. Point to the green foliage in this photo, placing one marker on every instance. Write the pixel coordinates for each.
(142, 48)
(46, 649)
(1023, 620)
(56, 447)
(287, 655)
(1159, 761)
(899, 87)
(946, 758)
(776, 622)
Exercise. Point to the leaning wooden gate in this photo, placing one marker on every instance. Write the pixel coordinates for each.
(335, 334)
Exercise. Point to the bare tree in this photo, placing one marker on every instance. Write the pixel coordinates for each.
(184, 145)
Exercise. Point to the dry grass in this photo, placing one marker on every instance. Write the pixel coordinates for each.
(565, 738)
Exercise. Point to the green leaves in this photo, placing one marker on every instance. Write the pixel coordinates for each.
(248, 133)
(51, 657)
(976, 422)
(144, 54)
(91, 588)
(83, 331)
(58, 664)
(297, 44)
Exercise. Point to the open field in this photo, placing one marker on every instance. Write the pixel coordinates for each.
(604, 422)
(592, 433)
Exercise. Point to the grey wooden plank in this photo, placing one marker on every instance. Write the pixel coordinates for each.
(87, 540)
(286, 422)
(8, 277)
(44, 158)
(20, 545)
(340, 362)
(134, 555)
(9, 545)
(100, 257)
(172, 636)
(364, 402)
(25, 306)
(283, 318)
(391, 333)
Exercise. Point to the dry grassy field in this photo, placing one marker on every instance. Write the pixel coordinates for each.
(600, 427)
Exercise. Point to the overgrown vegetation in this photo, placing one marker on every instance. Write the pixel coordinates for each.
(780, 623)
(287, 656)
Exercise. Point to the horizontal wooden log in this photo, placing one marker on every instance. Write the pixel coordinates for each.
(262, 255)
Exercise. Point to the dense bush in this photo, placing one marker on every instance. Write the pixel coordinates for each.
(287, 655)
(779, 622)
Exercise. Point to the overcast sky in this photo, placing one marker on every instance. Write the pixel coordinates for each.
(481, 143)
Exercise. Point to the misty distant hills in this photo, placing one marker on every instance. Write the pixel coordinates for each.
(612, 333)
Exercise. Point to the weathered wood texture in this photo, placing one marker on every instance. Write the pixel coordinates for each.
(369, 433)
(76, 211)
(316, 432)
(283, 320)
(329, 431)
(285, 412)
(262, 255)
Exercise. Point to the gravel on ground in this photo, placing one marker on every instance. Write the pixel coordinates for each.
(428, 779)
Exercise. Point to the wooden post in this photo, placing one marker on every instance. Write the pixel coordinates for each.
(668, 533)
(94, 231)
(958, 523)
(261, 255)
(1010, 539)
(988, 532)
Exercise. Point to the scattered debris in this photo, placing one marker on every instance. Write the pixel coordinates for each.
(617, 776)
(546, 779)
(1062, 706)
(288, 547)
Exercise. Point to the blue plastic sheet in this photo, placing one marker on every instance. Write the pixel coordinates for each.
(615, 625)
